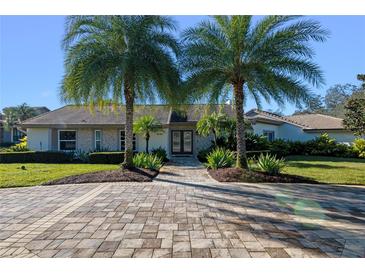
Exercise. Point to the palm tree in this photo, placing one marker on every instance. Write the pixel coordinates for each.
(146, 125)
(213, 123)
(122, 58)
(25, 112)
(15, 115)
(271, 58)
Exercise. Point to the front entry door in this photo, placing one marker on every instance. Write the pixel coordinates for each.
(182, 141)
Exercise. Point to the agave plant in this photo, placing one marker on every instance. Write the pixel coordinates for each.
(270, 164)
(220, 158)
(149, 161)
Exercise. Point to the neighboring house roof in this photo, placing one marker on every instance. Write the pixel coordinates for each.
(318, 121)
(79, 116)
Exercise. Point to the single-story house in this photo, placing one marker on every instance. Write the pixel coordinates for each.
(82, 128)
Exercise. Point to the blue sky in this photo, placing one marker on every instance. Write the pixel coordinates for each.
(31, 58)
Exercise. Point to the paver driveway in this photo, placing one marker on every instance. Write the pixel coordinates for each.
(182, 214)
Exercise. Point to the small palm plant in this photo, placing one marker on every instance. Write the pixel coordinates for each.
(213, 123)
(146, 125)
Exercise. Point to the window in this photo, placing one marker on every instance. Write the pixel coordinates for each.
(270, 135)
(98, 139)
(16, 135)
(67, 140)
(122, 141)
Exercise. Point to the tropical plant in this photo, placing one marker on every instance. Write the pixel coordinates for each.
(359, 147)
(220, 158)
(161, 153)
(270, 164)
(213, 123)
(149, 161)
(146, 125)
(21, 146)
(270, 58)
(123, 59)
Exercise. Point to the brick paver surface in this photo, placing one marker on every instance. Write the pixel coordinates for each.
(183, 213)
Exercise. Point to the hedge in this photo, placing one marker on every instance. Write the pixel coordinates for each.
(35, 157)
(106, 157)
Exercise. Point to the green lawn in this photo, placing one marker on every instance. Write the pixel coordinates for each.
(327, 169)
(11, 175)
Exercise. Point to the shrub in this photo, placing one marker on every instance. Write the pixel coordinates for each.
(35, 157)
(6, 144)
(219, 158)
(326, 146)
(297, 148)
(149, 161)
(359, 147)
(256, 142)
(270, 164)
(280, 147)
(22, 146)
(203, 154)
(80, 155)
(161, 153)
(106, 157)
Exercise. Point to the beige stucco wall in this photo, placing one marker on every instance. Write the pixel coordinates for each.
(85, 139)
(39, 139)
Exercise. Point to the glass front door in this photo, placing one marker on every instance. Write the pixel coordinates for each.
(182, 141)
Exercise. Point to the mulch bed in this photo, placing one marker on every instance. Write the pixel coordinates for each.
(239, 175)
(119, 175)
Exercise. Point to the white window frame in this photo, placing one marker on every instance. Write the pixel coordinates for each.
(269, 132)
(59, 141)
(95, 140)
(120, 140)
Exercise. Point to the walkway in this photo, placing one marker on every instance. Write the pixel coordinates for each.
(182, 214)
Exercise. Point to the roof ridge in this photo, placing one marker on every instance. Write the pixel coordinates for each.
(284, 118)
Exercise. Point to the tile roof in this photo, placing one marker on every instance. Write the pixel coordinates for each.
(317, 121)
(82, 115)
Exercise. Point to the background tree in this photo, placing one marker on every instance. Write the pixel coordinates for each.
(269, 59)
(15, 115)
(361, 77)
(355, 116)
(336, 97)
(314, 104)
(146, 125)
(123, 58)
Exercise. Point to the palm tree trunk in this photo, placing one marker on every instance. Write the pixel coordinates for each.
(147, 141)
(128, 152)
(240, 129)
(215, 137)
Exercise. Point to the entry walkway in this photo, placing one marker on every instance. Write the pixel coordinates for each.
(183, 169)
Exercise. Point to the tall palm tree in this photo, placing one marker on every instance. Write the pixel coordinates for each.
(146, 125)
(271, 58)
(122, 58)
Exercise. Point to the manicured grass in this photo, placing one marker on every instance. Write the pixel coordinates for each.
(327, 169)
(11, 175)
